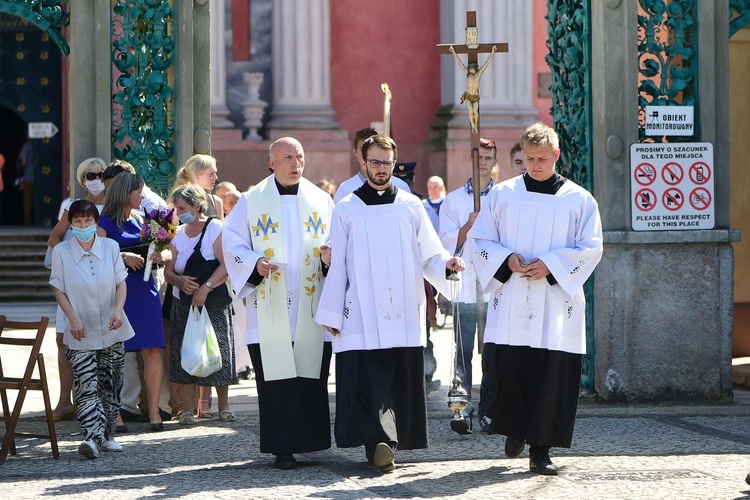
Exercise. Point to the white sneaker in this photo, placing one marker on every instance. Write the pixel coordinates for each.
(111, 445)
(89, 449)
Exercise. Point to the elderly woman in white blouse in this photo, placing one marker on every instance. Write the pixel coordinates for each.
(88, 278)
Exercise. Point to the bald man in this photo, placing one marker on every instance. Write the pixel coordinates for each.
(272, 241)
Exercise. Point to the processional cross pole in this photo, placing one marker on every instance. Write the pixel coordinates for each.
(457, 397)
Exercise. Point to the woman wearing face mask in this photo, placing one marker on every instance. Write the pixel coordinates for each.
(198, 276)
(121, 222)
(88, 278)
(200, 171)
(89, 175)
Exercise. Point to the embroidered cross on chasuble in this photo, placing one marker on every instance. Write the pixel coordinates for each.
(270, 228)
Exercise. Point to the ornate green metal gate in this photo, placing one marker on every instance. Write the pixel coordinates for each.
(569, 60)
(143, 52)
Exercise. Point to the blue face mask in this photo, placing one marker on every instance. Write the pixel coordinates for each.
(187, 217)
(84, 234)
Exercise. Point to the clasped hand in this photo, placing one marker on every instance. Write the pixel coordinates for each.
(533, 270)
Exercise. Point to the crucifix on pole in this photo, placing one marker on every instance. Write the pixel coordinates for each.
(471, 96)
(473, 73)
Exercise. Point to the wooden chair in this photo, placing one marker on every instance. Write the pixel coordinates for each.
(23, 384)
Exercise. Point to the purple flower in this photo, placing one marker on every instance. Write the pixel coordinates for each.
(145, 231)
(166, 214)
(153, 214)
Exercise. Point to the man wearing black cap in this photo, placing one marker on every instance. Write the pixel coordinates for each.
(373, 303)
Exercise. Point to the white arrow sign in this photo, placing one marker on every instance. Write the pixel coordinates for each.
(42, 130)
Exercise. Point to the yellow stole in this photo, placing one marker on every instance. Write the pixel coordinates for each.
(280, 359)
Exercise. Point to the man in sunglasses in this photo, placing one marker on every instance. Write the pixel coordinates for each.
(373, 303)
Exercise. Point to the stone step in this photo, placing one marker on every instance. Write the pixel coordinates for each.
(22, 295)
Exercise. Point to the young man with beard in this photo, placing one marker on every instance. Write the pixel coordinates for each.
(373, 303)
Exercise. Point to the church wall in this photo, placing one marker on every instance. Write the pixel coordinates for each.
(389, 41)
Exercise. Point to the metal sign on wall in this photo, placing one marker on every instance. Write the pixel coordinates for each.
(672, 186)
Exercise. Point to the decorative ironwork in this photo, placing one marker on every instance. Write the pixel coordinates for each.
(739, 15)
(667, 59)
(50, 16)
(569, 60)
(143, 52)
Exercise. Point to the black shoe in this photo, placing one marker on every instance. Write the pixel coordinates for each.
(747, 478)
(462, 426)
(484, 424)
(245, 374)
(129, 416)
(383, 457)
(156, 427)
(121, 429)
(285, 462)
(541, 464)
(513, 447)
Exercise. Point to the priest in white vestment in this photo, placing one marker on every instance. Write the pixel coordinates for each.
(538, 239)
(348, 186)
(373, 302)
(271, 243)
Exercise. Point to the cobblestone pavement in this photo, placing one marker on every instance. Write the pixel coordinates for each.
(619, 451)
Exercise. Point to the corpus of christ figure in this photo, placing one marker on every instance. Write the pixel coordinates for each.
(473, 73)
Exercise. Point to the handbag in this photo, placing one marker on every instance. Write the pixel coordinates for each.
(200, 355)
(202, 269)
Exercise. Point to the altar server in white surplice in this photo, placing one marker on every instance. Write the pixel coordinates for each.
(538, 238)
(271, 243)
(373, 302)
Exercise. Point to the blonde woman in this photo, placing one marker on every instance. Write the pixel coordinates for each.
(89, 176)
(201, 171)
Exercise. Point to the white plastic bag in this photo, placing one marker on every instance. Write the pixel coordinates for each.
(200, 355)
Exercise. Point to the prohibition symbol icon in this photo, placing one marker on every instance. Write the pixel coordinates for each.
(672, 173)
(645, 174)
(700, 173)
(673, 199)
(645, 200)
(700, 198)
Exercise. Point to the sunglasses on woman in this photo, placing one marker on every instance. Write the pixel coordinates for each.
(90, 176)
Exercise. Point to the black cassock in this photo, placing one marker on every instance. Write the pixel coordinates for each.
(294, 415)
(380, 393)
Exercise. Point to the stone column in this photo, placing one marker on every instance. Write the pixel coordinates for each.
(90, 85)
(301, 66)
(506, 86)
(192, 82)
(219, 110)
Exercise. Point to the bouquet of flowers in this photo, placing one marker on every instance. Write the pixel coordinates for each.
(158, 230)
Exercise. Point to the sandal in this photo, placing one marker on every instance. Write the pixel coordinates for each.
(227, 416)
(187, 418)
(207, 413)
(68, 414)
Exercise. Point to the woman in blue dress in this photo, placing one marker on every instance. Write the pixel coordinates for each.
(121, 222)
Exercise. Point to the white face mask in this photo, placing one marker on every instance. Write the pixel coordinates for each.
(95, 187)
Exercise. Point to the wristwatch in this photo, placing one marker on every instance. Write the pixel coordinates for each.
(209, 284)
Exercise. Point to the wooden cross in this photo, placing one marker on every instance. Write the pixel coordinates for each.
(473, 49)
